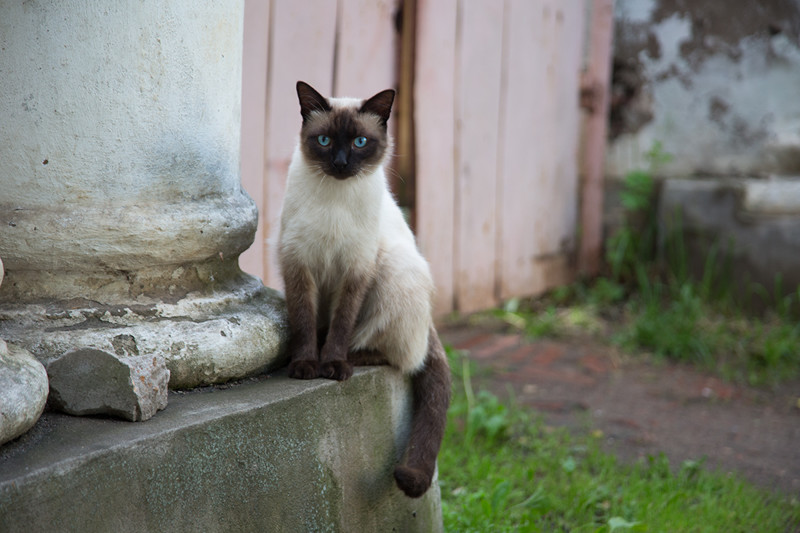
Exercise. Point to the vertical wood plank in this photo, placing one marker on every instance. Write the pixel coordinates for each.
(434, 120)
(598, 78)
(301, 48)
(366, 50)
(522, 150)
(537, 189)
(569, 64)
(564, 60)
(254, 91)
(478, 106)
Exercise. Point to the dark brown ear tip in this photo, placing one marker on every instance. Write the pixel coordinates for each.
(302, 86)
(310, 100)
(388, 93)
(380, 104)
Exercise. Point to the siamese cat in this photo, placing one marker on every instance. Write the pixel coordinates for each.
(357, 289)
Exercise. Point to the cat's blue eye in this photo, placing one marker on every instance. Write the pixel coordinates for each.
(324, 140)
(360, 142)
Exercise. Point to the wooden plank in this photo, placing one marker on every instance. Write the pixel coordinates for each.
(478, 84)
(570, 61)
(538, 177)
(434, 120)
(523, 136)
(302, 42)
(254, 91)
(565, 63)
(366, 49)
(597, 78)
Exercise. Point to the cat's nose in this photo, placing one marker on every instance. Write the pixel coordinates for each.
(340, 161)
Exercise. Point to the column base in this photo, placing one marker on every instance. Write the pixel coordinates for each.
(233, 329)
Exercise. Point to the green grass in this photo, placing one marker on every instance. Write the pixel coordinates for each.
(680, 324)
(501, 469)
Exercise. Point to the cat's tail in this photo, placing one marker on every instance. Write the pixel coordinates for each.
(431, 390)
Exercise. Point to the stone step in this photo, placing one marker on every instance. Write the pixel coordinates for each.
(266, 454)
(754, 225)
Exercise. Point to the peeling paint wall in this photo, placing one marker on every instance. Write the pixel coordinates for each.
(717, 83)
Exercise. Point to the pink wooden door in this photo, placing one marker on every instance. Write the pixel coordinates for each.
(500, 82)
(500, 196)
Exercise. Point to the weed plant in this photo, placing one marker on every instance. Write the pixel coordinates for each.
(501, 469)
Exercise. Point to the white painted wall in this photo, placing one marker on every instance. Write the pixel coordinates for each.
(722, 82)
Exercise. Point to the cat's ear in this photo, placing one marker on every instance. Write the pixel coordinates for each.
(380, 104)
(310, 100)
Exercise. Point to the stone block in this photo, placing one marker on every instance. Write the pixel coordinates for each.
(270, 454)
(90, 382)
(23, 391)
(752, 225)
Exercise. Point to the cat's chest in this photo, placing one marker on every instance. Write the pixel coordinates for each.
(336, 230)
(338, 226)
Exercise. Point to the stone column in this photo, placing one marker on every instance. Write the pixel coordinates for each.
(121, 211)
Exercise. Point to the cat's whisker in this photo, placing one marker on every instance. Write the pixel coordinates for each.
(395, 174)
(321, 174)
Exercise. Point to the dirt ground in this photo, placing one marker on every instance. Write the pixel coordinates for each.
(644, 407)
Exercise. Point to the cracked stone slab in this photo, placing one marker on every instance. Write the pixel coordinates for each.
(89, 381)
(23, 391)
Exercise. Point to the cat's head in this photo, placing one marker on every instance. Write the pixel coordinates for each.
(344, 137)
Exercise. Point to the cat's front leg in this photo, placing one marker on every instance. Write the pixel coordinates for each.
(301, 303)
(333, 358)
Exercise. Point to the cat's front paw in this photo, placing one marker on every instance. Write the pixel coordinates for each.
(338, 370)
(304, 369)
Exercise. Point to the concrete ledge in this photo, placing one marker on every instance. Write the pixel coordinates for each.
(270, 454)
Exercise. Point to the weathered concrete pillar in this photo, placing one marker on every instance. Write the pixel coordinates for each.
(121, 211)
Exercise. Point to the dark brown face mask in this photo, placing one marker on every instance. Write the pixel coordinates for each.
(344, 141)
